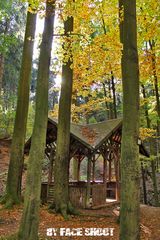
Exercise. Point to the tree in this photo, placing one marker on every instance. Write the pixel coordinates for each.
(12, 19)
(30, 218)
(148, 41)
(96, 54)
(130, 166)
(154, 73)
(97, 58)
(62, 204)
(12, 28)
(12, 68)
(13, 188)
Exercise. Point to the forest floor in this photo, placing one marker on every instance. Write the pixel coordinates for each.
(100, 218)
(4, 161)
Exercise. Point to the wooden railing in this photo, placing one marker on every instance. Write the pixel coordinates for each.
(77, 193)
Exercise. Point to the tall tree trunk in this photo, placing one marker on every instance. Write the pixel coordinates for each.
(106, 103)
(114, 95)
(62, 204)
(152, 46)
(1, 71)
(130, 166)
(143, 168)
(110, 103)
(153, 164)
(155, 186)
(148, 121)
(13, 188)
(30, 219)
(154, 71)
(111, 107)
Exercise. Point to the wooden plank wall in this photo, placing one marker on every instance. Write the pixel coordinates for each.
(98, 194)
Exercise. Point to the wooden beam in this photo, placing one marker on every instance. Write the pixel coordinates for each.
(88, 190)
(110, 170)
(93, 167)
(78, 169)
(104, 170)
(50, 173)
(116, 166)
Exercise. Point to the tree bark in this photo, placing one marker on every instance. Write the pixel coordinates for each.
(130, 166)
(30, 219)
(62, 203)
(13, 188)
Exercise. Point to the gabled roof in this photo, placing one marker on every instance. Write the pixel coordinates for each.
(89, 136)
(93, 135)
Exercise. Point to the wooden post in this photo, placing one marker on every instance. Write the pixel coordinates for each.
(50, 173)
(93, 168)
(88, 190)
(116, 165)
(110, 170)
(104, 170)
(117, 181)
(75, 168)
(78, 169)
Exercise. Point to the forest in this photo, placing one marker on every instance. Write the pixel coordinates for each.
(79, 119)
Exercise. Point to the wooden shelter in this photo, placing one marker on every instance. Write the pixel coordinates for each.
(88, 141)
